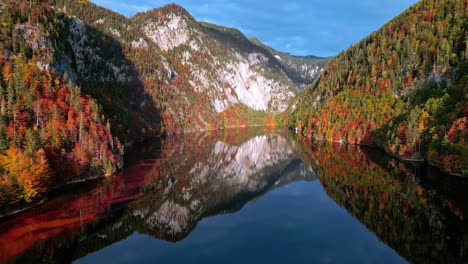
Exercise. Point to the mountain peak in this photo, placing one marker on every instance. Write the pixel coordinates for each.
(165, 11)
(173, 7)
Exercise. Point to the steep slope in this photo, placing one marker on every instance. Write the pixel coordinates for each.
(403, 88)
(219, 63)
(168, 72)
(77, 79)
(50, 133)
(98, 49)
(301, 69)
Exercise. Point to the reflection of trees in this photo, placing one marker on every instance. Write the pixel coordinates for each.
(172, 188)
(419, 223)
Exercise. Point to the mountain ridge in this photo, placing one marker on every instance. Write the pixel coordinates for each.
(79, 82)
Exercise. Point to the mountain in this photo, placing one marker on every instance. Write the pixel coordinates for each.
(168, 72)
(50, 132)
(301, 69)
(78, 81)
(403, 89)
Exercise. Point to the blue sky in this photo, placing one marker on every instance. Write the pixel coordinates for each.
(303, 27)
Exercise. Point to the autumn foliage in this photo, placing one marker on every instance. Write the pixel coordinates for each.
(402, 88)
(50, 133)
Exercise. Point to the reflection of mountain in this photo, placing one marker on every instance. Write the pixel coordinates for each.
(215, 180)
(168, 191)
(192, 177)
(419, 222)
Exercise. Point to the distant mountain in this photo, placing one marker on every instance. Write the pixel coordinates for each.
(301, 69)
(402, 88)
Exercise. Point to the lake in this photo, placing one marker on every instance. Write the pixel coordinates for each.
(250, 196)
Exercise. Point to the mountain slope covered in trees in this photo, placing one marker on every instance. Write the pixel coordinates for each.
(50, 133)
(169, 72)
(76, 80)
(402, 88)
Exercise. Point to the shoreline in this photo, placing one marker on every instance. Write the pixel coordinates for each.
(54, 191)
(61, 187)
(421, 160)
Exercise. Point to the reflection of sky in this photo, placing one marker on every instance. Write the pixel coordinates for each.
(298, 223)
(303, 27)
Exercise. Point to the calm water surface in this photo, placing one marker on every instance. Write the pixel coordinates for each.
(249, 196)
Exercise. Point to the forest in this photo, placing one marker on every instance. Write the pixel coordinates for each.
(50, 133)
(72, 94)
(403, 89)
(79, 82)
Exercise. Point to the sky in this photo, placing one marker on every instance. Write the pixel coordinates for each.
(302, 27)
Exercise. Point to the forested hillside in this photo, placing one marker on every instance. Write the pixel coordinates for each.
(76, 80)
(402, 88)
(168, 72)
(50, 133)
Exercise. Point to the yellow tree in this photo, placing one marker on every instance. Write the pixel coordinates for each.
(28, 174)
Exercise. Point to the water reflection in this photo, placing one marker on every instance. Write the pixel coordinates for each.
(174, 183)
(164, 194)
(202, 176)
(417, 210)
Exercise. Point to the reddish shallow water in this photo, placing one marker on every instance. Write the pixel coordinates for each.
(63, 216)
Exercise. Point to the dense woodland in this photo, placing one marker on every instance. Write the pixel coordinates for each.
(158, 79)
(402, 88)
(72, 89)
(76, 80)
(50, 133)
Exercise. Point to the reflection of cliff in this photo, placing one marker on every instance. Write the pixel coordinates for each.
(164, 194)
(211, 177)
(418, 222)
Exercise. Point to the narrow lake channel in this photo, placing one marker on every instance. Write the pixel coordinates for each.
(249, 196)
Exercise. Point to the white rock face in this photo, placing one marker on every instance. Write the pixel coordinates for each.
(115, 32)
(242, 82)
(78, 40)
(226, 81)
(36, 41)
(170, 34)
(309, 71)
(141, 44)
(33, 37)
(256, 91)
(84, 52)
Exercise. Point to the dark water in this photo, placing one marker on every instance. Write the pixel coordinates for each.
(249, 196)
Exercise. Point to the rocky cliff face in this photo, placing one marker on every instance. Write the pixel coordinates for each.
(223, 64)
(169, 72)
(301, 69)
